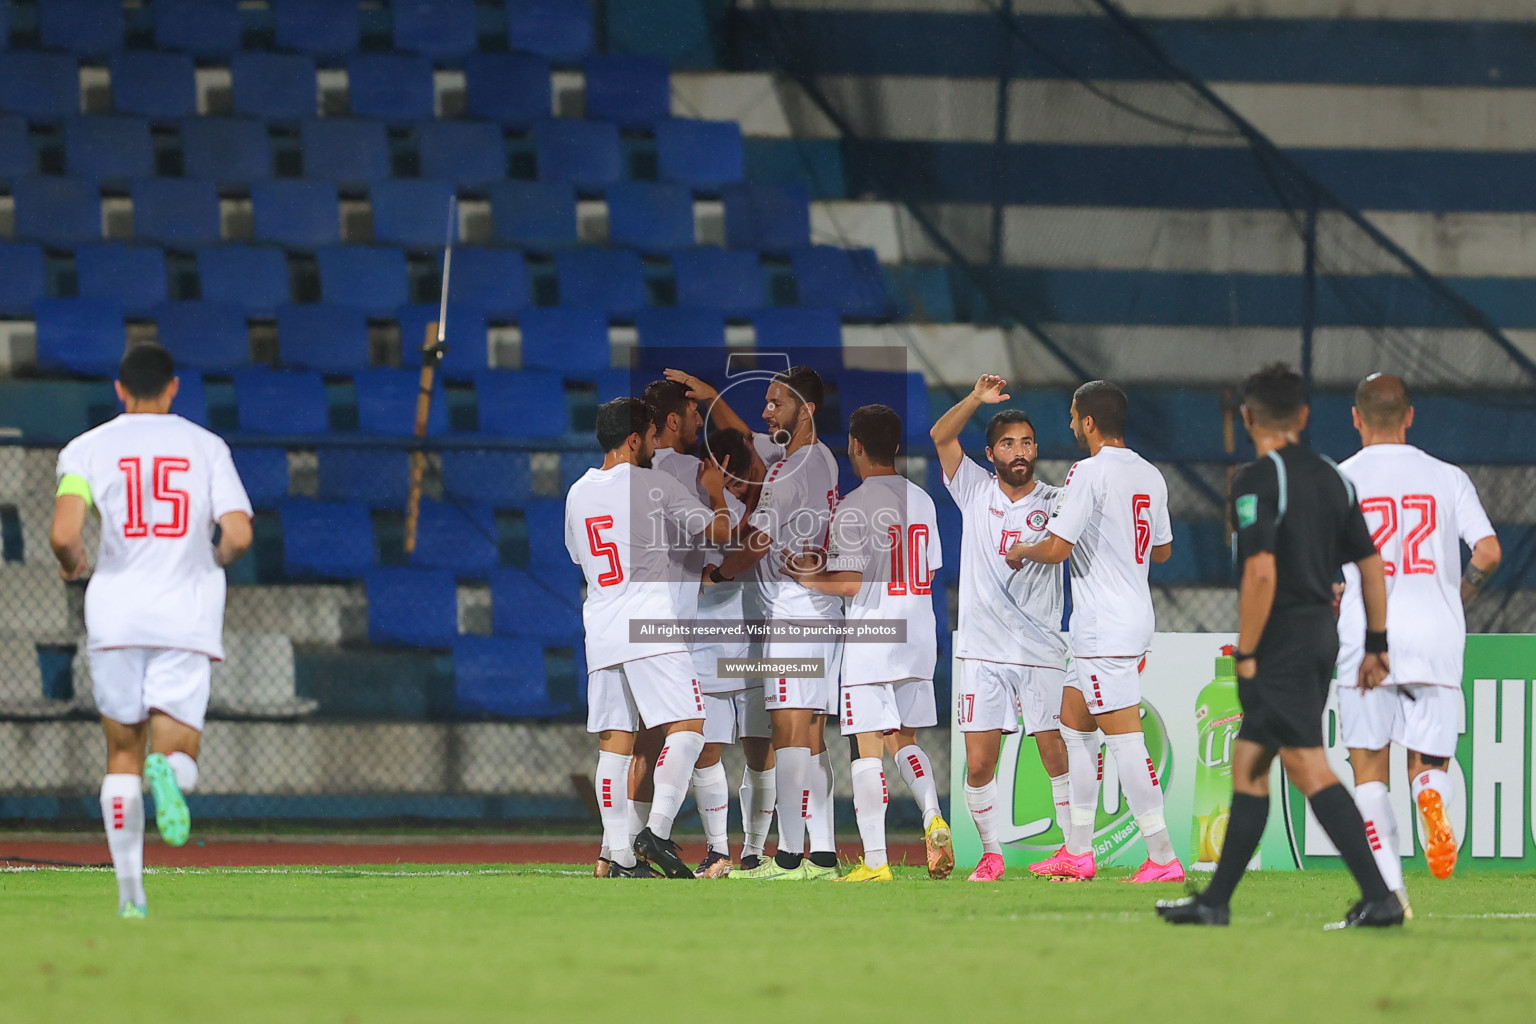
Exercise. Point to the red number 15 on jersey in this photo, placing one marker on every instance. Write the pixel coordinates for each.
(179, 500)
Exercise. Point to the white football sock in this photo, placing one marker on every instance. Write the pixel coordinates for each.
(818, 822)
(674, 767)
(870, 797)
(185, 770)
(1138, 779)
(1061, 796)
(1084, 771)
(1375, 805)
(917, 772)
(122, 814)
(712, 793)
(612, 788)
(982, 803)
(635, 818)
(792, 770)
(757, 796)
(1436, 779)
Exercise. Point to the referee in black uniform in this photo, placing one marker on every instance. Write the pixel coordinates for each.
(1297, 522)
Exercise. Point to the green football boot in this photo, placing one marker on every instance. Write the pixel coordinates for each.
(171, 815)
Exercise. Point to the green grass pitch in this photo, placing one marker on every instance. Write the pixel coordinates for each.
(548, 943)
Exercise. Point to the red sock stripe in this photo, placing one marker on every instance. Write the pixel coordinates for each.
(916, 765)
(1370, 833)
(118, 814)
(885, 792)
(1152, 771)
(607, 792)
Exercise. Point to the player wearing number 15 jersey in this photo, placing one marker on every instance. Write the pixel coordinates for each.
(154, 609)
(1420, 510)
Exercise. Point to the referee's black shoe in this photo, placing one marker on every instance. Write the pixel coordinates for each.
(663, 853)
(1189, 910)
(1382, 913)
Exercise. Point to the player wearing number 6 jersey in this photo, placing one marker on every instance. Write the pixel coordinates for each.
(1420, 510)
(154, 609)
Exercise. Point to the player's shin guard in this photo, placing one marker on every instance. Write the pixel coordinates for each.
(981, 801)
(612, 788)
(1375, 805)
(1084, 770)
(757, 800)
(870, 797)
(713, 794)
(1138, 779)
(792, 775)
(917, 772)
(818, 821)
(674, 767)
(122, 813)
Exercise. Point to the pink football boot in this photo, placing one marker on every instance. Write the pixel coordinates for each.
(989, 870)
(1064, 865)
(1152, 871)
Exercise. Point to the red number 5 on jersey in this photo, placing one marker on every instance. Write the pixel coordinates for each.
(179, 500)
(604, 549)
(1140, 505)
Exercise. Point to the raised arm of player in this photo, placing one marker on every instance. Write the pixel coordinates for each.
(235, 537)
(1373, 588)
(946, 432)
(712, 478)
(67, 536)
(1486, 556)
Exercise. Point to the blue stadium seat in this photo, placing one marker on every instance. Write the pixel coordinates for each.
(281, 401)
(22, 277)
(495, 280)
(539, 215)
(574, 465)
(264, 471)
(650, 217)
(16, 156)
(321, 336)
(521, 403)
(466, 337)
(295, 213)
(39, 84)
(79, 335)
(86, 28)
(349, 151)
(203, 28)
(723, 279)
(104, 147)
(458, 537)
(191, 401)
(847, 280)
(907, 393)
(376, 477)
(436, 28)
(58, 211)
(545, 519)
(558, 29)
(497, 676)
(498, 478)
(537, 606)
(366, 276)
(208, 336)
(411, 212)
(252, 276)
(392, 86)
(512, 89)
(274, 86)
(225, 149)
(415, 607)
(175, 211)
(466, 153)
(702, 154)
(794, 327)
(133, 276)
(328, 539)
(670, 327)
(322, 27)
(151, 84)
(613, 384)
(767, 218)
(584, 153)
(631, 90)
(386, 403)
(566, 340)
(607, 279)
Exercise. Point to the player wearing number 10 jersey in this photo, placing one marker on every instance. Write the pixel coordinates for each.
(154, 609)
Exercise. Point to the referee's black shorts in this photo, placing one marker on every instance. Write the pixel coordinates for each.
(1283, 703)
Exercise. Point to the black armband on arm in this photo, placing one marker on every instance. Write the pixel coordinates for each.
(1375, 643)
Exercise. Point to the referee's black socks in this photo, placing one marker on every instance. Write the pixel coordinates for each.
(1245, 827)
(1340, 818)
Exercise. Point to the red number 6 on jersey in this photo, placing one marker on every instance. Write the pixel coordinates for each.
(604, 549)
(1140, 504)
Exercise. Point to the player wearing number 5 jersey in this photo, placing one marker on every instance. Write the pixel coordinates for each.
(154, 609)
(1112, 522)
(1420, 510)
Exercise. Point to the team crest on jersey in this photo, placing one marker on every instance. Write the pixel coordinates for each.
(1037, 519)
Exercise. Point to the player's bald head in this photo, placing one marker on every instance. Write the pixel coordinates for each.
(1382, 400)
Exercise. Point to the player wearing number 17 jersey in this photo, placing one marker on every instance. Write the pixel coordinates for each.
(154, 609)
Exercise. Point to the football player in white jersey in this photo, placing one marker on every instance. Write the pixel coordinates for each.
(622, 522)
(793, 510)
(1112, 522)
(1012, 656)
(882, 553)
(154, 609)
(1420, 510)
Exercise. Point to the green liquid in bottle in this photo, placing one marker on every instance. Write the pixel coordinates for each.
(1218, 716)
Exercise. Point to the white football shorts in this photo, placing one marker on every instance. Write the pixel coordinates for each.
(643, 693)
(1421, 716)
(887, 707)
(728, 717)
(991, 696)
(1107, 684)
(130, 682)
(818, 694)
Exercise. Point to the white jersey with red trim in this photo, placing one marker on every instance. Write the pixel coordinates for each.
(887, 530)
(795, 510)
(1420, 511)
(1113, 509)
(622, 526)
(1013, 618)
(160, 484)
